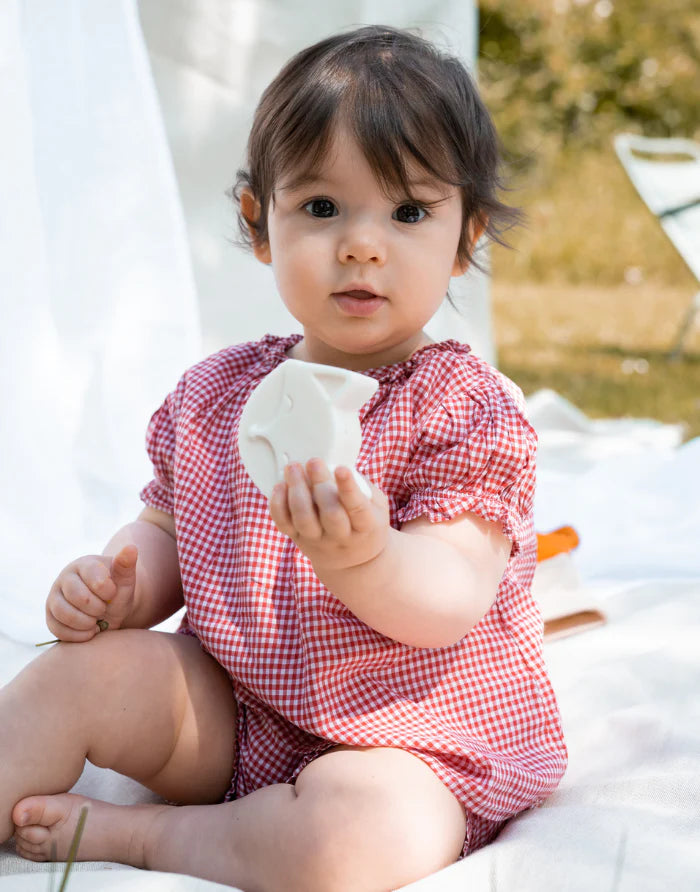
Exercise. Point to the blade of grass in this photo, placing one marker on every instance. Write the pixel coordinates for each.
(102, 623)
(75, 844)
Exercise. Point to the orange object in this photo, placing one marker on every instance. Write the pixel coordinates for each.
(558, 541)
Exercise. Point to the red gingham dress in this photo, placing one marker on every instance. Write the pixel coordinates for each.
(443, 434)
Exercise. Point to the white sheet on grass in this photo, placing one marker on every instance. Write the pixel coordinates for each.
(627, 485)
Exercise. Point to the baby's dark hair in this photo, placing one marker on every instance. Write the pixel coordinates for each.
(403, 99)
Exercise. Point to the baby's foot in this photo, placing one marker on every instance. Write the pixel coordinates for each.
(45, 826)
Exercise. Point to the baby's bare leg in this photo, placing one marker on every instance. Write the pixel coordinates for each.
(148, 705)
(356, 820)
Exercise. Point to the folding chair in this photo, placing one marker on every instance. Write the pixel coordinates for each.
(666, 174)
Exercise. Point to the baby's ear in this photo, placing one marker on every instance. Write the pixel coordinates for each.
(476, 229)
(250, 209)
(459, 267)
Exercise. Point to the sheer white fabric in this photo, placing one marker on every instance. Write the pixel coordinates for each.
(97, 310)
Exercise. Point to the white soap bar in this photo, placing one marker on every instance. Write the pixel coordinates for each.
(303, 410)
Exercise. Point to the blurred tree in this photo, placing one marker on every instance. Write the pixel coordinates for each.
(569, 73)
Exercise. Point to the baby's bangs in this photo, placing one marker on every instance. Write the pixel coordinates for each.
(393, 129)
(305, 127)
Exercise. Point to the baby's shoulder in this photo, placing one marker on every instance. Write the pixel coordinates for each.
(451, 375)
(221, 375)
(223, 368)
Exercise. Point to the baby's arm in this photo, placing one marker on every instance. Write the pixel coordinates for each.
(135, 582)
(426, 585)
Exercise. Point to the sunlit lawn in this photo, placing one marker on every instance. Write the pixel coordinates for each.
(603, 348)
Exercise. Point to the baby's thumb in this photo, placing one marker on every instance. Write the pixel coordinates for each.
(123, 573)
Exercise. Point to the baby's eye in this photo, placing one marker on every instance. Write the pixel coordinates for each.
(321, 207)
(409, 213)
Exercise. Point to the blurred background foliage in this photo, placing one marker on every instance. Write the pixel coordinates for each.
(589, 298)
(573, 71)
(560, 78)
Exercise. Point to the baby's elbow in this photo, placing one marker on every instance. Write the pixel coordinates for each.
(448, 629)
(466, 614)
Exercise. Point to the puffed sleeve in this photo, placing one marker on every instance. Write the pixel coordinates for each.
(475, 452)
(160, 445)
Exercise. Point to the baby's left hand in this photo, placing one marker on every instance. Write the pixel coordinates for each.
(333, 523)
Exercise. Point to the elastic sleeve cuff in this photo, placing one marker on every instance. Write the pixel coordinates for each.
(447, 504)
(157, 496)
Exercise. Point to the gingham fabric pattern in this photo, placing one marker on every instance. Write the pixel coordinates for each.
(443, 434)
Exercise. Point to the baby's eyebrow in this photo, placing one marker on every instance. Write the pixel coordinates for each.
(428, 192)
(299, 181)
(430, 182)
(304, 179)
(425, 182)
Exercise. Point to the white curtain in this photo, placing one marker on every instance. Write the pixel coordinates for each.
(98, 313)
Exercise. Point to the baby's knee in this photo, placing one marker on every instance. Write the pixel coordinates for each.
(95, 666)
(336, 855)
(370, 839)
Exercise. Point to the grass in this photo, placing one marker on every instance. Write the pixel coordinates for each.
(72, 852)
(586, 223)
(590, 299)
(602, 347)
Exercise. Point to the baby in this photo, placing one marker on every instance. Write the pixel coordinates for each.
(356, 696)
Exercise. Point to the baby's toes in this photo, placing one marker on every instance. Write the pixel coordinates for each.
(33, 851)
(42, 811)
(40, 825)
(45, 825)
(32, 834)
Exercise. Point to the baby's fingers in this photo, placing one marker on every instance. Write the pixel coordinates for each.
(331, 512)
(279, 510)
(81, 597)
(360, 510)
(300, 503)
(123, 582)
(69, 633)
(66, 621)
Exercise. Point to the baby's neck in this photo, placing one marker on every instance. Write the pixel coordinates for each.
(308, 351)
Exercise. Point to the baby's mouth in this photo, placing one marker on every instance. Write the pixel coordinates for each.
(358, 302)
(360, 295)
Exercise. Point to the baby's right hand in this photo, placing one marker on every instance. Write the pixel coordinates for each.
(92, 588)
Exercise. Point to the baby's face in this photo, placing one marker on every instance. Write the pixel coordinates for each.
(361, 271)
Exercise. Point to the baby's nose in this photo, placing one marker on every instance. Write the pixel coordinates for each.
(362, 243)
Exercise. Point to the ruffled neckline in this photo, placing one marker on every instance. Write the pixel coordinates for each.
(275, 349)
